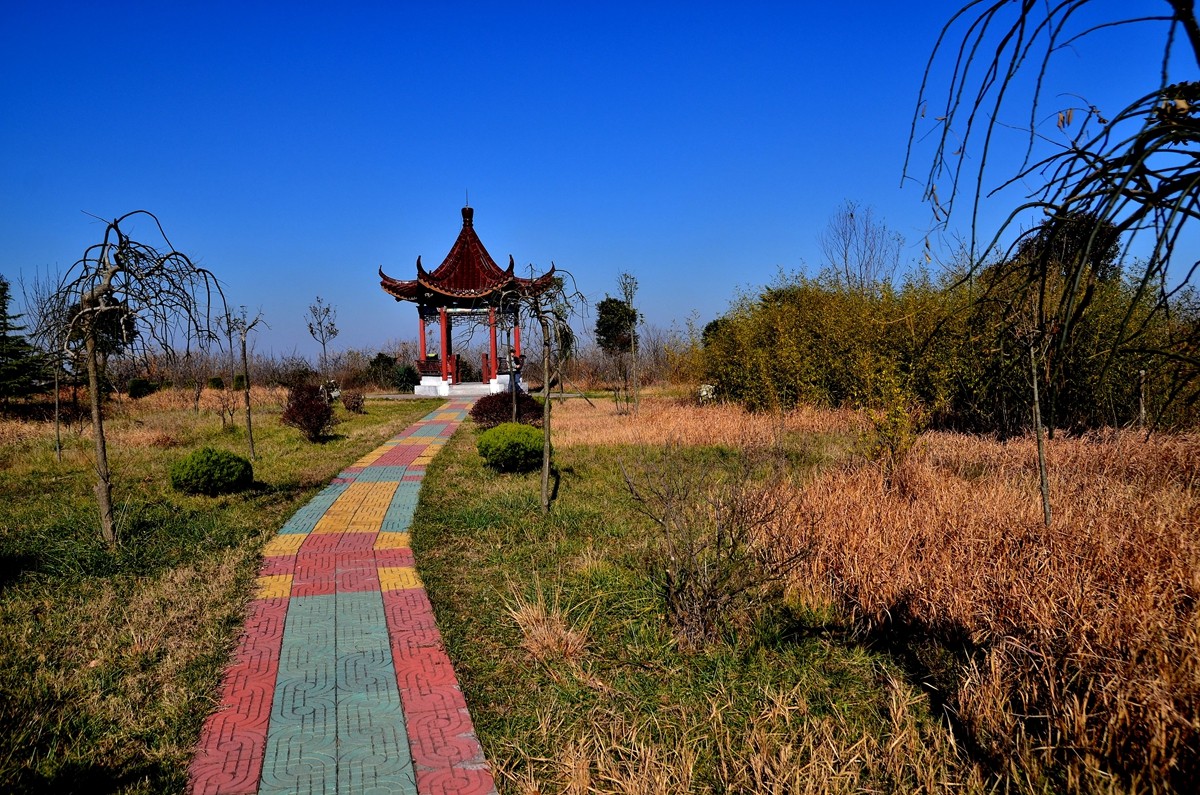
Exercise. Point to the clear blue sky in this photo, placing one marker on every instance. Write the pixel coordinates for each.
(293, 148)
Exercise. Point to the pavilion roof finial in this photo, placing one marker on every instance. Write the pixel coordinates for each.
(468, 216)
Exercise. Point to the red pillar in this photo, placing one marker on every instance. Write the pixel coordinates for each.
(492, 371)
(517, 340)
(445, 342)
(421, 325)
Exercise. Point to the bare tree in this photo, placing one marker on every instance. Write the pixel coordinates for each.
(1136, 170)
(322, 326)
(48, 330)
(860, 250)
(156, 296)
(552, 307)
(628, 284)
(240, 325)
(192, 370)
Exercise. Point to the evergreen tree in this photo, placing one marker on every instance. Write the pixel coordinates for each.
(616, 326)
(20, 363)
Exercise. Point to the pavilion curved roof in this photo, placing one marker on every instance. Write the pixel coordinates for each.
(467, 273)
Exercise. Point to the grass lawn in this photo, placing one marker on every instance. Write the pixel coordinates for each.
(111, 659)
(577, 684)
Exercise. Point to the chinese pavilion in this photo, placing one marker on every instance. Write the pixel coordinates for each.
(470, 286)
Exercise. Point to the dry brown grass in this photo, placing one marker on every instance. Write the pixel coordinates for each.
(211, 400)
(1088, 631)
(18, 432)
(782, 748)
(666, 420)
(546, 629)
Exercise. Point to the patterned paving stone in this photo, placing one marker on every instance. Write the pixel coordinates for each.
(396, 578)
(443, 738)
(340, 682)
(400, 556)
(390, 540)
(455, 781)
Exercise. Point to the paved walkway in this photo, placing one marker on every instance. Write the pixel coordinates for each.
(340, 682)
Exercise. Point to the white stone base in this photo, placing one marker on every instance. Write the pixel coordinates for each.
(500, 383)
(432, 386)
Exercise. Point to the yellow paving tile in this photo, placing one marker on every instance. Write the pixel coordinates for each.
(284, 544)
(360, 508)
(273, 586)
(392, 541)
(371, 457)
(398, 578)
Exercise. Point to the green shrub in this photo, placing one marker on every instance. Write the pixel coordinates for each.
(309, 411)
(216, 382)
(210, 471)
(511, 447)
(491, 410)
(405, 377)
(239, 382)
(139, 388)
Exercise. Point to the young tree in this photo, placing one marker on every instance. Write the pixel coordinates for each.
(628, 285)
(240, 325)
(50, 316)
(322, 326)
(155, 295)
(616, 332)
(20, 364)
(551, 306)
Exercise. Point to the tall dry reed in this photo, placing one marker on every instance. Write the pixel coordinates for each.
(1086, 633)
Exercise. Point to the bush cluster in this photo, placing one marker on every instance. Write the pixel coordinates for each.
(511, 447)
(492, 410)
(937, 344)
(212, 472)
(308, 411)
(139, 388)
(239, 382)
(216, 382)
(354, 402)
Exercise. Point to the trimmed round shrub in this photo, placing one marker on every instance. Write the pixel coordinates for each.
(309, 411)
(239, 382)
(216, 382)
(511, 447)
(212, 472)
(491, 410)
(139, 388)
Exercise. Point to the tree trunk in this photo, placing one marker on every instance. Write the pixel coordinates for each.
(246, 385)
(633, 363)
(545, 415)
(57, 418)
(1041, 448)
(103, 475)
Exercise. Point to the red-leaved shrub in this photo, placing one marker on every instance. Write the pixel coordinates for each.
(491, 410)
(308, 411)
